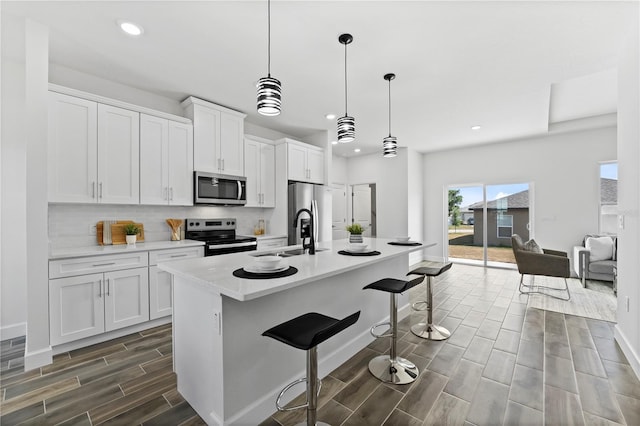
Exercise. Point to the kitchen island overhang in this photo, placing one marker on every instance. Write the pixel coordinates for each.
(226, 370)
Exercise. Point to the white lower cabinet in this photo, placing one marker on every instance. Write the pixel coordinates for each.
(87, 305)
(160, 294)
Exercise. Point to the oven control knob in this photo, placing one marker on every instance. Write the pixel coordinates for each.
(190, 223)
(233, 222)
(228, 223)
(197, 223)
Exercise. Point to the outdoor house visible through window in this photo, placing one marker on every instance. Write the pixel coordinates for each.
(608, 208)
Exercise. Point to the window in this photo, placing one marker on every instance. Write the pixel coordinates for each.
(608, 208)
(505, 225)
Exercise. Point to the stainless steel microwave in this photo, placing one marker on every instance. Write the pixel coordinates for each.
(213, 188)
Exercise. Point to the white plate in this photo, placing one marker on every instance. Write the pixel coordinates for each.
(359, 251)
(358, 248)
(255, 270)
(402, 239)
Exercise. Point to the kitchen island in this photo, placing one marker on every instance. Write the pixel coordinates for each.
(225, 369)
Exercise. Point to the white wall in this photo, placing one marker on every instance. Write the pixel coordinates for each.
(628, 328)
(391, 178)
(13, 269)
(338, 170)
(415, 205)
(563, 168)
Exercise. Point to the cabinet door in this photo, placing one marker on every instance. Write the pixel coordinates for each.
(154, 146)
(160, 297)
(76, 308)
(315, 165)
(206, 139)
(72, 149)
(126, 299)
(118, 155)
(268, 175)
(232, 144)
(252, 166)
(297, 163)
(180, 164)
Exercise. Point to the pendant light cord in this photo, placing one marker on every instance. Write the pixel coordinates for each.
(269, 38)
(389, 107)
(345, 80)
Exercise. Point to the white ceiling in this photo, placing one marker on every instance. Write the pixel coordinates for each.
(457, 63)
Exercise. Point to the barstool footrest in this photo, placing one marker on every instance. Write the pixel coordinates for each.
(289, 386)
(420, 302)
(377, 336)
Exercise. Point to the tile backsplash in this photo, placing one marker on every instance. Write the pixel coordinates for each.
(69, 224)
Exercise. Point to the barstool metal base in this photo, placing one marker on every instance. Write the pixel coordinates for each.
(430, 331)
(400, 372)
(317, 424)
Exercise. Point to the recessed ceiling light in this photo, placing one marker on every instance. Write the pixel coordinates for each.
(476, 127)
(334, 142)
(356, 150)
(330, 116)
(130, 28)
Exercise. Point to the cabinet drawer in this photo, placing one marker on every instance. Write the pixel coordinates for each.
(93, 264)
(271, 243)
(158, 256)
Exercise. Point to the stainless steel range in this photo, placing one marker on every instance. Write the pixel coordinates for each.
(219, 236)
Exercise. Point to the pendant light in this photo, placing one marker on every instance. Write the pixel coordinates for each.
(269, 88)
(346, 124)
(390, 143)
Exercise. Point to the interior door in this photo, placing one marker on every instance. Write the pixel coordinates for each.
(361, 197)
(339, 212)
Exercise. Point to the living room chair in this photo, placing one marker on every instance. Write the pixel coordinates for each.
(533, 260)
(596, 259)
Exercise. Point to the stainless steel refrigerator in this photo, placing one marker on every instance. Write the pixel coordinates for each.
(316, 198)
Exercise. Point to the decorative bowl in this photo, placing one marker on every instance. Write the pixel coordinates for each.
(268, 262)
(402, 239)
(358, 247)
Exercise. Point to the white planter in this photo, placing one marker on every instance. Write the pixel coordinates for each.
(131, 239)
(355, 238)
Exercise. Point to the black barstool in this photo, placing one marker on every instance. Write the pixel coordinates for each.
(391, 368)
(428, 330)
(306, 332)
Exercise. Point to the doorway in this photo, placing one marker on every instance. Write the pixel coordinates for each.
(339, 211)
(481, 220)
(363, 208)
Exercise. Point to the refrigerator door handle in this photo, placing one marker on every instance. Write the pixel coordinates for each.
(316, 225)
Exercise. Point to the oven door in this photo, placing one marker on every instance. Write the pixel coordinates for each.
(214, 249)
(211, 188)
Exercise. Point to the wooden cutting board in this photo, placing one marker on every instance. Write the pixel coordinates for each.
(117, 232)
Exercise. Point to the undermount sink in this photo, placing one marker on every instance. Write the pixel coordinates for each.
(290, 253)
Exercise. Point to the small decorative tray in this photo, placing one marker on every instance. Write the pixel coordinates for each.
(364, 253)
(408, 243)
(241, 273)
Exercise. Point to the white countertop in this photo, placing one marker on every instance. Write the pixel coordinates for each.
(216, 272)
(66, 252)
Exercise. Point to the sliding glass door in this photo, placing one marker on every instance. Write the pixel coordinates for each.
(482, 219)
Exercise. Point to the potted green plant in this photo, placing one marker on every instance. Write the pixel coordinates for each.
(131, 231)
(355, 232)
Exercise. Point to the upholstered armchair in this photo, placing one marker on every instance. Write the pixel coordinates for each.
(596, 259)
(533, 260)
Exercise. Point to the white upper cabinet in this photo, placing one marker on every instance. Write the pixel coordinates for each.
(260, 171)
(305, 163)
(118, 155)
(93, 152)
(166, 166)
(72, 149)
(218, 137)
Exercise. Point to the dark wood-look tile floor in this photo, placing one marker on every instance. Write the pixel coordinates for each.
(504, 364)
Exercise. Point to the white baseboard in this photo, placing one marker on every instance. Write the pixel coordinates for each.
(632, 356)
(37, 359)
(12, 331)
(265, 406)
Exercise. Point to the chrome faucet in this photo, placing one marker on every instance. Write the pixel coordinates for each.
(311, 246)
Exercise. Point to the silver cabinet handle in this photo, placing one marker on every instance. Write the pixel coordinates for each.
(179, 255)
(100, 190)
(103, 264)
(223, 164)
(108, 287)
(93, 190)
(100, 291)
(171, 194)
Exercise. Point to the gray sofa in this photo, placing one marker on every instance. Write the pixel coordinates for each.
(587, 269)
